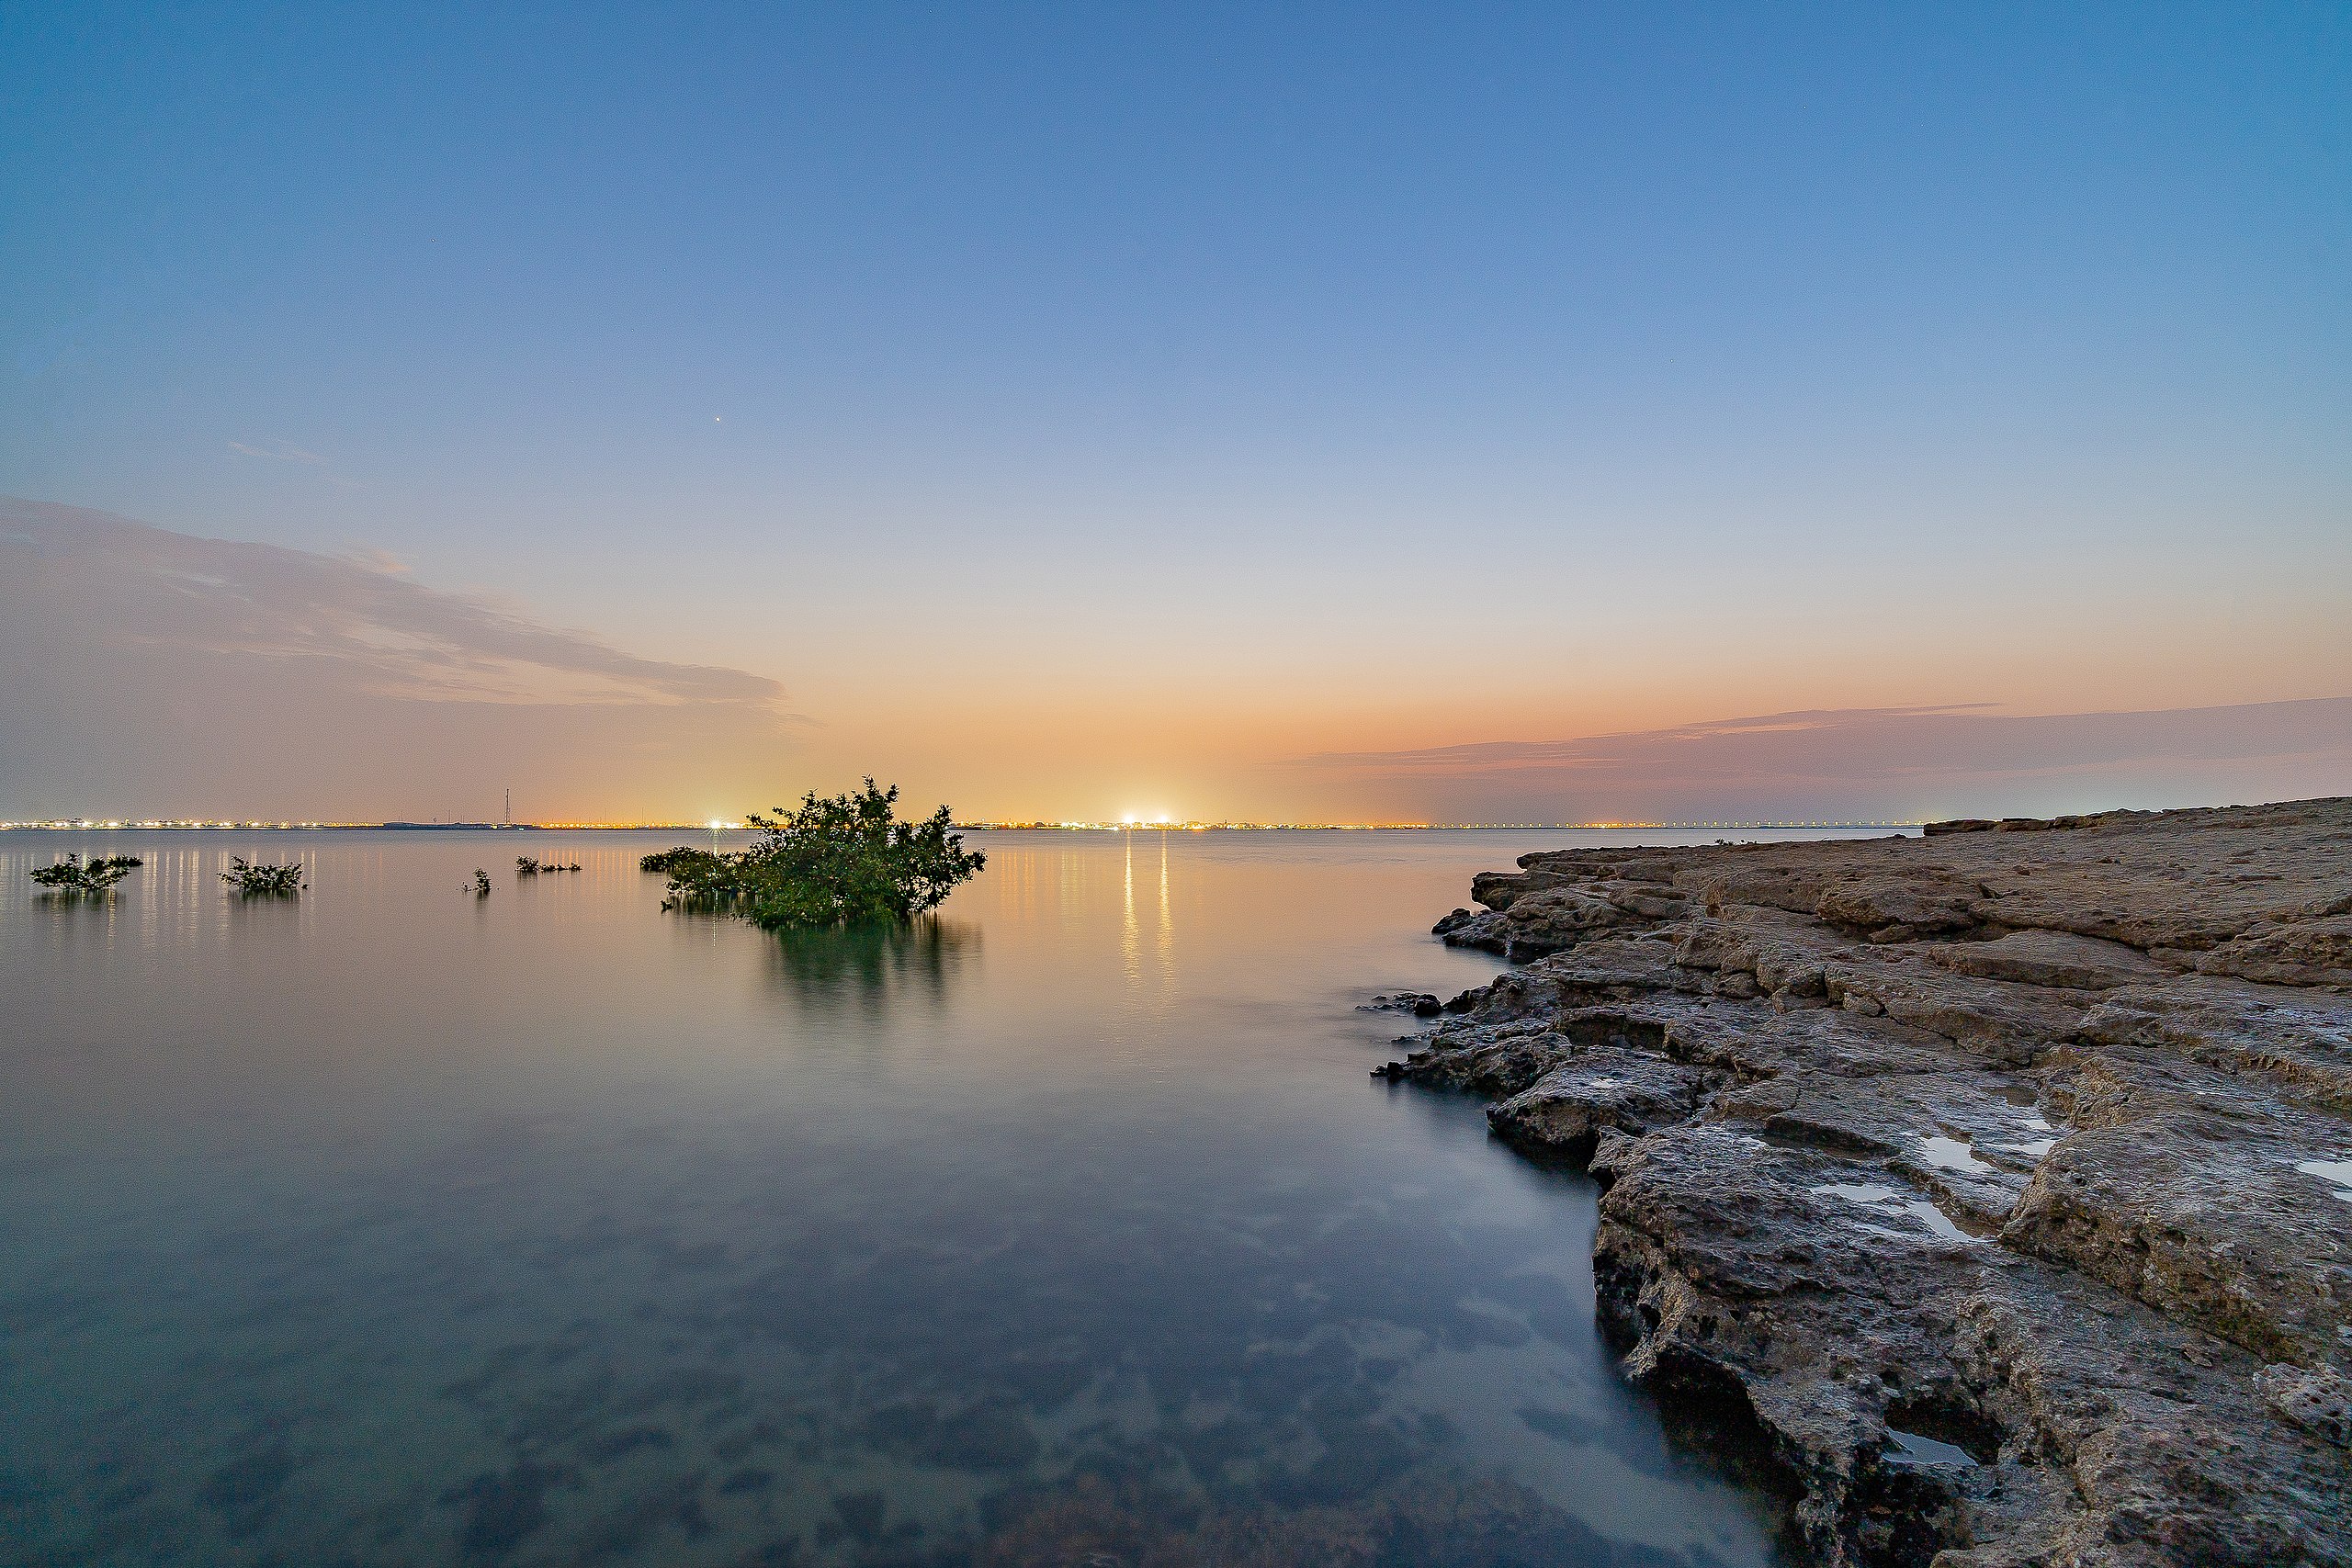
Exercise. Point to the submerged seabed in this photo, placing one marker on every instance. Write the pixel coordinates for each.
(390, 1226)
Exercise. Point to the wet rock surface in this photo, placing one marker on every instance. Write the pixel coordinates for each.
(2000, 1175)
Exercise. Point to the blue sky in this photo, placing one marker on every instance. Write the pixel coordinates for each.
(974, 371)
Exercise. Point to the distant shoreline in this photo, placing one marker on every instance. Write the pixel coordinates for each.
(83, 826)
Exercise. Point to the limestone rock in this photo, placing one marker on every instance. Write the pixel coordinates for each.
(2319, 1398)
(1562, 1112)
(2305, 952)
(1993, 1178)
(2050, 958)
(1891, 909)
(1528, 924)
(1420, 1004)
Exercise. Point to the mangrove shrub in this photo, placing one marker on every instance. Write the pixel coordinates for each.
(74, 874)
(254, 880)
(842, 861)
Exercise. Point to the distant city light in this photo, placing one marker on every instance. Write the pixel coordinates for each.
(88, 824)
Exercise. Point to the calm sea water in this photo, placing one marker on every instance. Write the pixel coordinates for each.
(393, 1225)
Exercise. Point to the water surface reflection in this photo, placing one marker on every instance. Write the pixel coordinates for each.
(392, 1226)
(875, 968)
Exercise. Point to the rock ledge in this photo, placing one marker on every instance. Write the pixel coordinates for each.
(2003, 1176)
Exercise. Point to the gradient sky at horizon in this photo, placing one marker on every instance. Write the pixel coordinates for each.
(1086, 410)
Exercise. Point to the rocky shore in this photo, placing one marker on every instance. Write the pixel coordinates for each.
(1997, 1182)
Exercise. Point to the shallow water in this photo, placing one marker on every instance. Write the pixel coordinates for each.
(394, 1225)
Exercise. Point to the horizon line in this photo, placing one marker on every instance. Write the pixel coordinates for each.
(192, 825)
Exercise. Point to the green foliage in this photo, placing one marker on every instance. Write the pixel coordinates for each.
(531, 865)
(842, 861)
(482, 883)
(255, 881)
(667, 861)
(73, 874)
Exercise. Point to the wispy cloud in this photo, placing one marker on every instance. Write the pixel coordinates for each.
(1872, 764)
(187, 668)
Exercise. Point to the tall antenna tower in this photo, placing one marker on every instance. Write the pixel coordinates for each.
(510, 806)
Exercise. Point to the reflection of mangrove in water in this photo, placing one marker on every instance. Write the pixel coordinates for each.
(870, 966)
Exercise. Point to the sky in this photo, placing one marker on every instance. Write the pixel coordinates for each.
(1461, 412)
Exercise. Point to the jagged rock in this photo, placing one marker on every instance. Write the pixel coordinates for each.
(1897, 909)
(1562, 1112)
(2204, 1216)
(1529, 924)
(1618, 969)
(2300, 1040)
(1500, 889)
(2306, 952)
(1497, 1059)
(1762, 1043)
(1997, 1175)
(1420, 1004)
(1993, 1019)
(2050, 958)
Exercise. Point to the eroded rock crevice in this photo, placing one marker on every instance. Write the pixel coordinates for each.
(2003, 1176)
